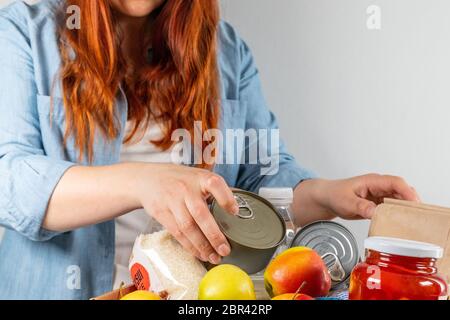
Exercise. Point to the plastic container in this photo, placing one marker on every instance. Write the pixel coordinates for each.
(397, 269)
(281, 199)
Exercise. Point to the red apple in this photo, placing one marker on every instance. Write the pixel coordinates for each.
(293, 296)
(298, 269)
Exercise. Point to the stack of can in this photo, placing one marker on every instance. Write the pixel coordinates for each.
(259, 229)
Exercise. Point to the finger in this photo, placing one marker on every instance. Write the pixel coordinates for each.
(218, 188)
(167, 220)
(360, 207)
(188, 226)
(416, 193)
(382, 186)
(399, 186)
(204, 219)
(187, 244)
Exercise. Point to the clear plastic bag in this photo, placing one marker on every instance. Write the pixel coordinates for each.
(160, 264)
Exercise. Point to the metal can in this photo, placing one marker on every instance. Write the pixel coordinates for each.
(254, 234)
(335, 244)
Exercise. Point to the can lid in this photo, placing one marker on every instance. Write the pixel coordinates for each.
(334, 243)
(258, 225)
(401, 247)
(277, 196)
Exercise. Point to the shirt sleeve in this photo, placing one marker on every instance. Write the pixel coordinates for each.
(275, 167)
(27, 176)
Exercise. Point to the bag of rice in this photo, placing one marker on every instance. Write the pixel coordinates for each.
(160, 264)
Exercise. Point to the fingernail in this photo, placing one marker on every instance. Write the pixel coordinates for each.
(224, 250)
(214, 258)
(371, 210)
(235, 209)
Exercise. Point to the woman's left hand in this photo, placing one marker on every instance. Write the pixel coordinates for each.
(353, 198)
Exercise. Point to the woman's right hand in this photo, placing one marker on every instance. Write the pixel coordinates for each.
(176, 196)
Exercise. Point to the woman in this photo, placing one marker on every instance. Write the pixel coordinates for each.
(86, 118)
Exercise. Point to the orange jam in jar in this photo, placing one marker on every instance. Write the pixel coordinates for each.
(396, 269)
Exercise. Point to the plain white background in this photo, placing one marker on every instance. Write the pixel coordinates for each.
(352, 100)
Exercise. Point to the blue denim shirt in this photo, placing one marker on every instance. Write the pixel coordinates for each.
(40, 264)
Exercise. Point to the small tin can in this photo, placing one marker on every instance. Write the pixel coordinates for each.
(254, 234)
(335, 244)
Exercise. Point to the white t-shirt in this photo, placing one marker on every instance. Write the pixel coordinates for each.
(131, 225)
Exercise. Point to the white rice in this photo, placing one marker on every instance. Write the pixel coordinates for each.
(179, 272)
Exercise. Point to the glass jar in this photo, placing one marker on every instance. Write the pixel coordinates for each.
(396, 269)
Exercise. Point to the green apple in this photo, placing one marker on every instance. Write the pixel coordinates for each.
(226, 282)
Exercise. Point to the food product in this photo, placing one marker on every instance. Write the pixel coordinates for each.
(160, 264)
(397, 269)
(254, 233)
(298, 267)
(226, 282)
(293, 296)
(337, 247)
(141, 295)
(415, 221)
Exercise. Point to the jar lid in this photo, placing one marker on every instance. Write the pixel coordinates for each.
(401, 247)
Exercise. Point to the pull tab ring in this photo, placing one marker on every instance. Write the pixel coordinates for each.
(247, 212)
(337, 272)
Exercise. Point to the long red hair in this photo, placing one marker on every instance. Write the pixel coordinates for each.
(178, 86)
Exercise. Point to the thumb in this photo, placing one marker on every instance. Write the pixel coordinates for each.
(364, 208)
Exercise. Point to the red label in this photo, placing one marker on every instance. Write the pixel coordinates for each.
(140, 277)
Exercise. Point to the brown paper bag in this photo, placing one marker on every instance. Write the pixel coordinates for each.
(413, 221)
